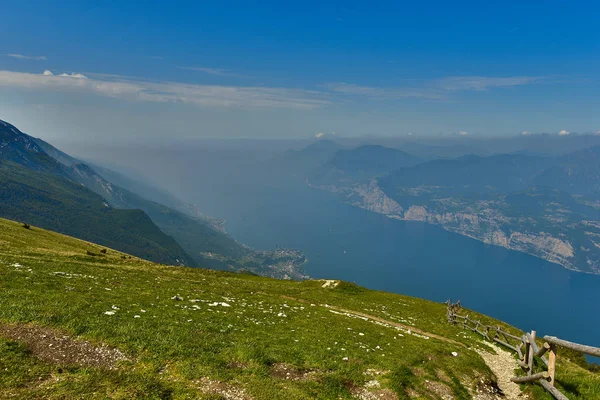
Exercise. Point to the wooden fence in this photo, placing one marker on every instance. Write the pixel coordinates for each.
(526, 348)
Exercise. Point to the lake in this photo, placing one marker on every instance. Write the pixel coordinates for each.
(412, 258)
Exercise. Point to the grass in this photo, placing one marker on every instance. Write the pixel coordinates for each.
(50, 200)
(227, 335)
(575, 377)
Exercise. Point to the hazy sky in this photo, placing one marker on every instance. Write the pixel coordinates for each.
(124, 70)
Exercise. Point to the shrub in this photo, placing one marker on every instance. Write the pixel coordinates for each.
(26, 226)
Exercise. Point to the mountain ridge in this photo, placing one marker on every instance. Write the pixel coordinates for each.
(201, 239)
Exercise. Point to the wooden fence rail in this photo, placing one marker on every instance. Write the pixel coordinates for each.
(526, 348)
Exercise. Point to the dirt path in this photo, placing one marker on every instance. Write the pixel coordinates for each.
(384, 321)
(55, 347)
(503, 365)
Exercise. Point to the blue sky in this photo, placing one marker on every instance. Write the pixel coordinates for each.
(272, 69)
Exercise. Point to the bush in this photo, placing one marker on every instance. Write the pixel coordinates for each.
(26, 226)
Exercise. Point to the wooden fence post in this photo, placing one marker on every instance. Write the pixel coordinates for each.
(526, 354)
(527, 358)
(552, 362)
(530, 353)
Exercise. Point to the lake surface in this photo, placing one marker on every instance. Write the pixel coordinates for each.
(412, 258)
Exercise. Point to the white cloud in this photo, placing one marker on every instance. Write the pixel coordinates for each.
(175, 92)
(597, 133)
(482, 83)
(564, 133)
(132, 88)
(463, 133)
(436, 89)
(379, 92)
(319, 135)
(22, 57)
(71, 75)
(525, 133)
(211, 71)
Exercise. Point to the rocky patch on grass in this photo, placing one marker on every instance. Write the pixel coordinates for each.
(291, 373)
(371, 391)
(441, 390)
(225, 390)
(329, 283)
(56, 347)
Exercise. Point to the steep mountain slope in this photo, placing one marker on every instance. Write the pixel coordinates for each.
(77, 326)
(212, 248)
(53, 202)
(200, 237)
(38, 190)
(21, 149)
(139, 187)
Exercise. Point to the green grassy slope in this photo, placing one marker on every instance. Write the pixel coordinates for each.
(226, 336)
(194, 235)
(51, 201)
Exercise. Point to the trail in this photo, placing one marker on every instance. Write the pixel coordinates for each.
(384, 321)
(56, 347)
(502, 364)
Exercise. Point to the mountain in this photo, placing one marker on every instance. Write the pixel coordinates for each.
(19, 148)
(577, 173)
(359, 165)
(36, 189)
(74, 326)
(306, 161)
(319, 151)
(521, 202)
(138, 186)
(200, 238)
(544, 206)
(371, 160)
(150, 192)
(468, 175)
